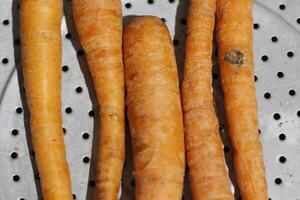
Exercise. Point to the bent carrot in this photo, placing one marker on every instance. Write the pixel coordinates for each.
(99, 24)
(154, 110)
(41, 63)
(234, 34)
(205, 157)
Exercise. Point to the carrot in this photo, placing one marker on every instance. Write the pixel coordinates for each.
(205, 157)
(99, 24)
(235, 38)
(41, 63)
(154, 109)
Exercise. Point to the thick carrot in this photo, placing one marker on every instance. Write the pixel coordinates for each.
(154, 110)
(99, 24)
(205, 157)
(234, 34)
(41, 63)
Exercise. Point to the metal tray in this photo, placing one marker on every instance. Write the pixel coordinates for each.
(277, 69)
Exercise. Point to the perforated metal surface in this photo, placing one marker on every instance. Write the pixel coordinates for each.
(277, 58)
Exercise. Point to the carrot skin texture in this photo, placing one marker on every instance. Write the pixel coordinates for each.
(235, 38)
(41, 62)
(154, 110)
(205, 157)
(99, 25)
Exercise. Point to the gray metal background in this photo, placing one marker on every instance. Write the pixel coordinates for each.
(273, 20)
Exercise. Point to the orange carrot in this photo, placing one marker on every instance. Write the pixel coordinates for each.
(41, 63)
(99, 24)
(205, 157)
(154, 110)
(234, 34)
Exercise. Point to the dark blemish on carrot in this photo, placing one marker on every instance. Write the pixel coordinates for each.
(113, 115)
(234, 57)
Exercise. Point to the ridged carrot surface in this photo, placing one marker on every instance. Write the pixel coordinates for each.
(205, 157)
(41, 62)
(99, 25)
(235, 38)
(154, 110)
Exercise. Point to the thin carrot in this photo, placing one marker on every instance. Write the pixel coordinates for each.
(234, 34)
(205, 157)
(99, 24)
(154, 110)
(41, 63)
